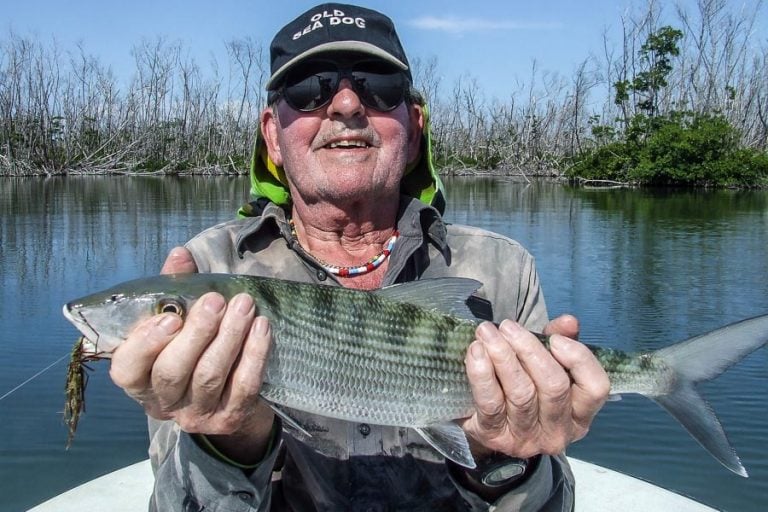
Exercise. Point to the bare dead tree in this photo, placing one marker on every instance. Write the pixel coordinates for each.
(63, 112)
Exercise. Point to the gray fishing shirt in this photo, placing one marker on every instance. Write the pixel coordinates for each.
(343, 465)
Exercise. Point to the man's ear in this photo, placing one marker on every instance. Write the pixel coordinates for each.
(416, 128)
(269, 125)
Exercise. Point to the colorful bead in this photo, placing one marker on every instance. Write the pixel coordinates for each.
(364, 268)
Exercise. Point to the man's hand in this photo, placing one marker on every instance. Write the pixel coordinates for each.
(530, 400)
(179, 261)
(205, 372)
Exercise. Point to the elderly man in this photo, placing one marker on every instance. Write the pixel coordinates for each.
(347, 196)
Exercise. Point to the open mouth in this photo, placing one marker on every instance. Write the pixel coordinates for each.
(77, 319)
(347, 144)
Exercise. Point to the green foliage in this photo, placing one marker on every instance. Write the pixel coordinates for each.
(622, 91)
(673, 148)
(680, 148)
(656, 52)
(655, 57)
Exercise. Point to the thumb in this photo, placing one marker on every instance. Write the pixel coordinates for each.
(179, 261)
(565, 325)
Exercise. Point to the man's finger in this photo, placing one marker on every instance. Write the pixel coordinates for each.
(590, 382)
(517, 387)
(179, 261)
(174, 365)
(550, 379)
(215, 363)
(132, 361)
(486, 391)
(248, 372)
(564, 325)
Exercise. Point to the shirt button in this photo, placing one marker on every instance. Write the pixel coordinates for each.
(322, 275)
(364, 429)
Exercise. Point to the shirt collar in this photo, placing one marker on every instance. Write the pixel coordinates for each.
(414, 219)
(273, 215)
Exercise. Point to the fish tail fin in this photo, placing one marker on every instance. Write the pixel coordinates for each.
(700, 359)
(687, 406)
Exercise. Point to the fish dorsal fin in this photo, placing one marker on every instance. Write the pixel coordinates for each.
(445, 294)
(450, 441)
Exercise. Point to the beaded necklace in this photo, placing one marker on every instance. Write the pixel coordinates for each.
(363, 268)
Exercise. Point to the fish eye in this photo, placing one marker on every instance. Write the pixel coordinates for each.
(171, 305)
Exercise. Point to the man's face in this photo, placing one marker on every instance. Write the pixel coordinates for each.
(344, 152)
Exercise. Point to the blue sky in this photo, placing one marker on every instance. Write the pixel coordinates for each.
(494, 41)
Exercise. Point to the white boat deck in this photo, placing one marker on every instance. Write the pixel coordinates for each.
(598, 489)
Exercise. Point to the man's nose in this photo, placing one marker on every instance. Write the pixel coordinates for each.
(345, 101)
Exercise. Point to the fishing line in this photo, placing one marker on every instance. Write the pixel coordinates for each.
(36, 375)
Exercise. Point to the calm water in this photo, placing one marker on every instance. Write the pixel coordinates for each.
(640, 269)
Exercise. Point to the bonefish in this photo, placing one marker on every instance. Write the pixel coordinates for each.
(395, 356)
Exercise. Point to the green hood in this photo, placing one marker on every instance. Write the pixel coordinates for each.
(268, 180)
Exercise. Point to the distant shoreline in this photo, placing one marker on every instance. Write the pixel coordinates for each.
(523, 175)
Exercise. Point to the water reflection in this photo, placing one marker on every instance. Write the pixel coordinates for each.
(639, 268)
(105, 225)
(60, 238)
(665, 258)
(642, 269)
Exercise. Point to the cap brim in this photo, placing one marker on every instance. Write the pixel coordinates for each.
(336, 46)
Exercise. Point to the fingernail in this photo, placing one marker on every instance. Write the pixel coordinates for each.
(169, 323)
(243, 304)
(214, 303)
(260, 326)
(510, 327)
(477, 351)
(558, 343)
(485, 331)
(179, 256)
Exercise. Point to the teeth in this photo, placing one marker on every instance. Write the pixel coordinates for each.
(348, 144)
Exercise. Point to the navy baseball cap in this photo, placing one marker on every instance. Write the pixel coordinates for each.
(331, 28)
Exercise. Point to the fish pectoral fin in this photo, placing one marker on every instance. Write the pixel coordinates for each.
(449, 439)
(287, 419)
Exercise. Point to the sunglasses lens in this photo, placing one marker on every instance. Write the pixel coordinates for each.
(379, 86)
(312, 87)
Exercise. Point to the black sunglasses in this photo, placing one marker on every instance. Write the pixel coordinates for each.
(312, 85)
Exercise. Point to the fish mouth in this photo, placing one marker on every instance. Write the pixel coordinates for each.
(78, 320)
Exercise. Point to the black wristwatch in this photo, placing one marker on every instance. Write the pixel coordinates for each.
(499, 470)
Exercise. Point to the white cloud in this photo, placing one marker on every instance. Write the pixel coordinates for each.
(461, 25)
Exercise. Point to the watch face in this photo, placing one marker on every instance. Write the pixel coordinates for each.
(504, 472)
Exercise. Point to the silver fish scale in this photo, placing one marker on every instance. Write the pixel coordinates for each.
(634, 373)
(361, 357)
